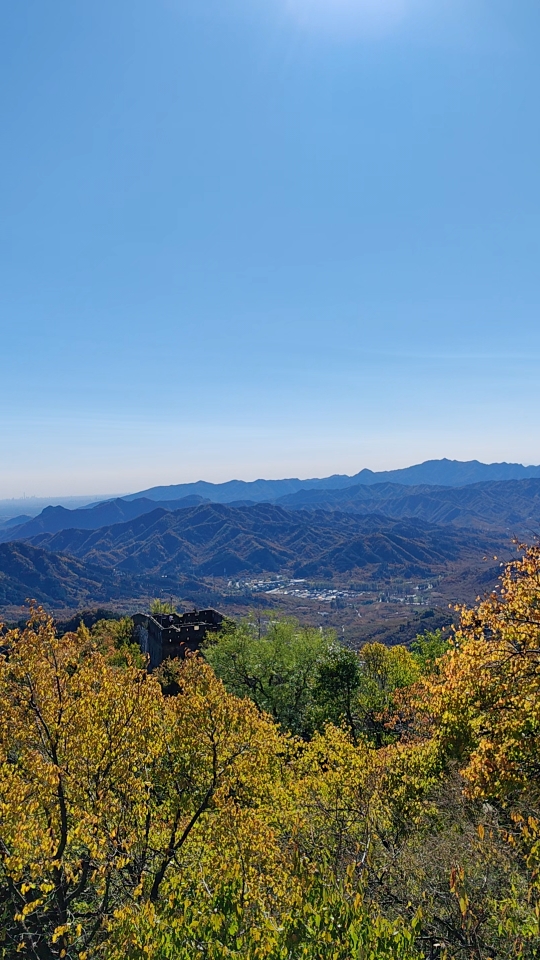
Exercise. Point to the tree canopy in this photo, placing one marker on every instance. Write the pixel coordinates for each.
(313, 804)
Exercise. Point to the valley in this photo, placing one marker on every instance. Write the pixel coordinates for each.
(372, 560)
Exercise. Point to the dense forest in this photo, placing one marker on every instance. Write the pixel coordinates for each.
(278, 796)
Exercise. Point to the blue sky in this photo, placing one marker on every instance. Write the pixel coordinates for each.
(266, 238)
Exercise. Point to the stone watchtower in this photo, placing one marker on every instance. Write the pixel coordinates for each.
(171, 635)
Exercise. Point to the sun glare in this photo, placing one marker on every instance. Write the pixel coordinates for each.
(363, 15)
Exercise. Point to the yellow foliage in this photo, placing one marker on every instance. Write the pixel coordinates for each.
(139, 825)
(486, 702)
(103, 781)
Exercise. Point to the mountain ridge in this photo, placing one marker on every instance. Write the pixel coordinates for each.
(29, 572)
(507, 505)
(57, 518)
(512, 505)
(442, 472)
(219, 540)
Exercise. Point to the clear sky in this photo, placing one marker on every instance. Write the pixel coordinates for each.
(245, 238)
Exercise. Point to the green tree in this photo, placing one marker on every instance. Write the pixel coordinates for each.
(337, 686)
(305, 678)
(277, 670)
(427, 649)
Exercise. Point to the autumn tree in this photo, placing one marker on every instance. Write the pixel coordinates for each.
(114, 639)
(383, 804)
(104, 783)
(481, 709)
(305, 678)
(162, 606)
(486, 701)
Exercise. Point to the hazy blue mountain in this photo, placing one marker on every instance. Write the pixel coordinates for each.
(451, 473)
(14, 521)
(216, 539)
(31, 506)
(54, 519)
(256, 491)
(512, 505)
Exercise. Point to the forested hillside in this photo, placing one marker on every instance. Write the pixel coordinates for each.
(27, 571)
(512, 505)
(222, 540)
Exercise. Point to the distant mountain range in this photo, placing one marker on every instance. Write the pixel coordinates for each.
(220, 540)
(15, 521)
(449, 473)
(30, 506)
(511, 506)
(54, 519)
(427, 519)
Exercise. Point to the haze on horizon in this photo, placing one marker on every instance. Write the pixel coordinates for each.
(295, 239)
